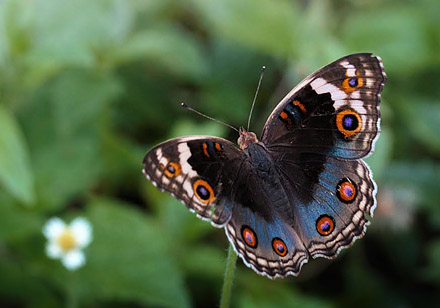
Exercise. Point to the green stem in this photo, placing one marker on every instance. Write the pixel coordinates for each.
(72, 300)
(231, 261)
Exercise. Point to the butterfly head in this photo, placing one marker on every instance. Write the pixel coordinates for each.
(246, 138)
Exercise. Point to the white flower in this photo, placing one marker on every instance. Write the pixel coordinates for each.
(66, 242)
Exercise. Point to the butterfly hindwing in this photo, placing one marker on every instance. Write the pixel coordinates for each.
(331, 209)
(334, 111)
(271, 248)
(260, 228)
(199, 171)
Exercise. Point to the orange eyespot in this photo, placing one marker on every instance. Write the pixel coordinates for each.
(283, 115)
(279, 247)
(346, 190)
(325, 225)
(350, 84)
(301, 106)
(203, 191)
(249, 236)
(172, 169)
(348, 122)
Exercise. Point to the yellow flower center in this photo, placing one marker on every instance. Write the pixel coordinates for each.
(66, 241)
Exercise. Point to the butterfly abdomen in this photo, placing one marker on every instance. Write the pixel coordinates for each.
(267, 191)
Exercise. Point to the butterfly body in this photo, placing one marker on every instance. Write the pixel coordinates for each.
(300, 191)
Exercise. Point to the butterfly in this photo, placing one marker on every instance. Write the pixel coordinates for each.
(302, 190)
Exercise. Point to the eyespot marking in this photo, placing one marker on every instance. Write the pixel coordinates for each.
(279, 246)
(172, 169)
(203, 191)
(351, 84)
(348, 122)
(346, 190)
(249, 236)
(325, 225)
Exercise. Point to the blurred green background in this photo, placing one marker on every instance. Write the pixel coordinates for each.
(87, 87)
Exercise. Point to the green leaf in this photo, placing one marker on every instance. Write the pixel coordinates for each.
(206, 261)
(317, 45)
(129, 259)
(433, 270)
(17, 222)
(381, 156)
(426, 125)
(15, 169)
(388, 34)
(63, 123)
(263, 26)
(78, 98)
(261, 292)
(19, 287)
(419, 183)
(179, 224)
(165, 46)
(186, 127)
(74, 34)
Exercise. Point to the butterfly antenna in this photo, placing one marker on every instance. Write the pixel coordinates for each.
(208, 117)
(255, 97)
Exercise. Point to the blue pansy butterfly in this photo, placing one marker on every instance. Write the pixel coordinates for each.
(302, 189)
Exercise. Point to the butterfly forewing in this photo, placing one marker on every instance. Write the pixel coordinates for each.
(334, 111)
(199, 171)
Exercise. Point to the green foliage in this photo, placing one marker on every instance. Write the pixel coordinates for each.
(15, 172)
(143, 258)
(87, 87)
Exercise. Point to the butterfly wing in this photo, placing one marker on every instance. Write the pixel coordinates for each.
(271, 247)
(199, 171)
(316, 137)
(332, 204)
(261, 233)
(333, 111)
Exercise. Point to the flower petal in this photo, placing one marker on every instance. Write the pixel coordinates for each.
(53, 250)
(74, 259)
(82, 231)
(53, 228)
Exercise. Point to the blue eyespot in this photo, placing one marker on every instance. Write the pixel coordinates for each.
(350, 122)
(279, 246)
(202, 192)
(171, 169)
(346, 190)
(325, 225)
(249, 236)
(353, 82)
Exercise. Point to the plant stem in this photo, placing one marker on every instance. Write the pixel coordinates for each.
(72, 300)
(231, 261)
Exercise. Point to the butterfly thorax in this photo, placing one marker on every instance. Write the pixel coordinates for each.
(246, 138)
